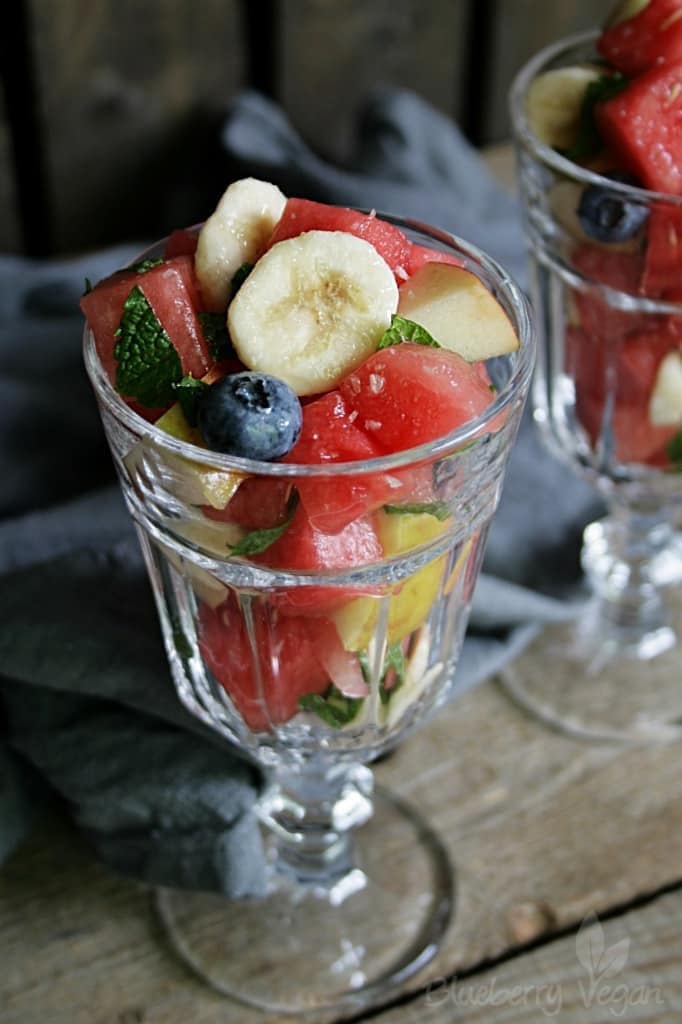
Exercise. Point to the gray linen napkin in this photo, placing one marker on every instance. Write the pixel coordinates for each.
(91, 718)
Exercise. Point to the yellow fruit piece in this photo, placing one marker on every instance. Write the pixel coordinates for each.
(199, 485)
(412, 601)
(458, 311)
(403, 531)
(410, 606)
(213, 538)
(356, 621)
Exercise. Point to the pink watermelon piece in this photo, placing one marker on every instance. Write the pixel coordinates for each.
(663, 258)
(621, 271)
(642, 125)
(170, 288)
(422, 254)
(653, 36)
(304, 215)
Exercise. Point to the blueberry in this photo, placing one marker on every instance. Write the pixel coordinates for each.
(608, 216)
(251, 415)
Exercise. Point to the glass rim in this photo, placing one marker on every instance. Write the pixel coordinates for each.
(444, 445)
(525, 137)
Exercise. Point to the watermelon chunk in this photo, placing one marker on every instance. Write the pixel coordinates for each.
(330, 435)
(170, 289)
(259, 503)
(643, 126)
(265, 680)
(304, 549)
(409, 394)
(653, 36)
(304, 215)
(421, 254)
(663, 259)
(181, 242)
(626, 367)
(620, 270)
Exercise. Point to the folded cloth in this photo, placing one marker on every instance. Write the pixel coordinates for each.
(91, 717)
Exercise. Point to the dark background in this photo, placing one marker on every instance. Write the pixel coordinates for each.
(109, 126)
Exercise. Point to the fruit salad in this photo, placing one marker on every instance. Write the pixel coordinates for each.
(618, 115)
(309, 339)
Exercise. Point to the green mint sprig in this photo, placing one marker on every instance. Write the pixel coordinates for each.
(148, 364)
(217, 335)
(394, 661)
(188, 391)
(589, 140)
(144, 265)
(402, 329)
(332, 706)
(674, 452)
(257, 541)
(239, 277)
(439, 509)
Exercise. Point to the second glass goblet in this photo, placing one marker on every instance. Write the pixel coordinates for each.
(314, 674)
(608, 383)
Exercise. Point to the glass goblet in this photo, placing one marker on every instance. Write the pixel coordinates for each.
(314, 674)
(607, 401)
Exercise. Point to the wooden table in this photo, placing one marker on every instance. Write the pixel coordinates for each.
(568, 855)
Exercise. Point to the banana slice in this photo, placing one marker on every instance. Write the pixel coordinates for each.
(236, 232)
(665, 405)
(553, 104)
(313, 308)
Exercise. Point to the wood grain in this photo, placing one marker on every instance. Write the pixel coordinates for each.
(129, 98)
(330, 54)
(516, 31)
(570, 980)
(542, 831)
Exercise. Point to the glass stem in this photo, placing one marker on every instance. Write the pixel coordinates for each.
(619, 557)
(311, 811)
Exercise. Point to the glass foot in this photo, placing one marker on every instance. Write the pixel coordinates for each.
(304, 948)
(595, 687)
(665, 567)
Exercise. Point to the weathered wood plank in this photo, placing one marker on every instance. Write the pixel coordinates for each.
(129, 95)
(627, 968)
(10, 235)
(517, 31)
(331, 53)
(542, 831)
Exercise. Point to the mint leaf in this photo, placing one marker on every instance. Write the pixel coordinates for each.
(144, 265)
(239, 277)
(439, 509)
(188, 391)
(674, 451)
(333, 707)
(256, 541)
(181, 643)
(589, 140)
(148, 364)
(216, 334)
(394, 661)
(402, 329)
